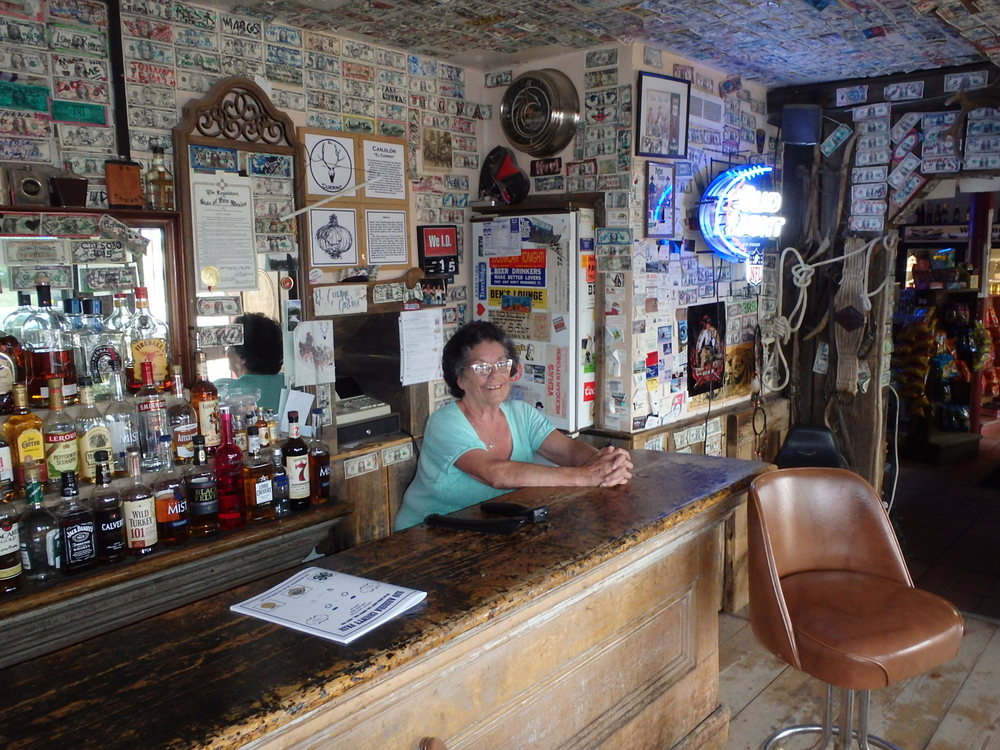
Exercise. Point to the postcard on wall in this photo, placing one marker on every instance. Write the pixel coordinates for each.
(385, 170)
(312, 342)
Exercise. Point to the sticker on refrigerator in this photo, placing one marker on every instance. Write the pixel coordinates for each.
(526, 269)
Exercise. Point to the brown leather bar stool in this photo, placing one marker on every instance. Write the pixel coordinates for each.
(830, 595)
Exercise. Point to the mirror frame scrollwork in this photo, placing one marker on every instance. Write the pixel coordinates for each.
(235, 113)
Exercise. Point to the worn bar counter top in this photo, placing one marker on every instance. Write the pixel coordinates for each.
(596, 628)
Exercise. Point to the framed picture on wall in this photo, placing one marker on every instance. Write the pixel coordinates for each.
(662, 121)
(660, 200)
(333, 237)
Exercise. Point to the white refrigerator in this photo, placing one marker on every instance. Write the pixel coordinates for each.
(535, 277)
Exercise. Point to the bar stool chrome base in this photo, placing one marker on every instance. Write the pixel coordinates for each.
(845, 735)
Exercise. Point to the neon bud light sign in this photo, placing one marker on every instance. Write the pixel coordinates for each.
(739, 216)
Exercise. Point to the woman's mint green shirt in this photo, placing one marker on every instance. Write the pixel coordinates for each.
(441, 487)
(270, 387)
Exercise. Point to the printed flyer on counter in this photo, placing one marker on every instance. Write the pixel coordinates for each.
(329, 604)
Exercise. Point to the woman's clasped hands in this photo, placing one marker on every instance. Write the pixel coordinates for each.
(609, 467)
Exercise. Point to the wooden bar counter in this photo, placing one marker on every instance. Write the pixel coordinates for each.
(596, 628)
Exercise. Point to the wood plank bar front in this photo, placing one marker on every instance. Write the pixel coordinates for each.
(594, 629)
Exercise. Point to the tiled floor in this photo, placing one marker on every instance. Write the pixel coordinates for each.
(948, 522)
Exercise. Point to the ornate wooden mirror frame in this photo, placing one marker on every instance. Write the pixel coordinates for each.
(237, 114)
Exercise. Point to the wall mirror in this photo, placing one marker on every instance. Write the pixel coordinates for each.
(235, 156)
(93, 253)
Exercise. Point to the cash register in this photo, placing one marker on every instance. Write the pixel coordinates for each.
(353, 405)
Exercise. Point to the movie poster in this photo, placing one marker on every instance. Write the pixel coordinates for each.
(706, 347)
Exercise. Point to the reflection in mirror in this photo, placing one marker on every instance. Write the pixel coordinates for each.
(235, 133)
(82, 295)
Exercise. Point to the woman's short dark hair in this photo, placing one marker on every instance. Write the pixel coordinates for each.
(262, 350)
(456, 351)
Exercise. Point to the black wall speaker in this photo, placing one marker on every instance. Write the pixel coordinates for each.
(801, 124)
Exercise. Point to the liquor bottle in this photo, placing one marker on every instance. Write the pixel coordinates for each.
(139, 508)
(49, 343)
(92, 433)
(262, 429)
(182, 419)
(279, 484)
(202, 493)
(229, 473)
(59, 436)
(205, 400)
(147, 341)
(272, 428)
(13, 321)
(100, 347)
(73, 312)
(159, 183)
(6, 468)
(11, 572)
(109, 517)
(258, 476)
(171, 499)
(13, 369)
(77, 537)
(23, 431)
(240, 431)
(120, 315)
(39, 530)
(151, 405)
(319, 462)
(295, 455)
(122, 420)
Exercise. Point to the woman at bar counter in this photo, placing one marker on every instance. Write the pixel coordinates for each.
(484, 445)
(256, 362)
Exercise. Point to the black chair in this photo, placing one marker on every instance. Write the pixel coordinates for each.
(809, 445)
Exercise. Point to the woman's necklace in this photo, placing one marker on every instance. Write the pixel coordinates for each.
(480, 430)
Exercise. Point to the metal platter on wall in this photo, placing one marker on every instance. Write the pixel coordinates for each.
(540, 112)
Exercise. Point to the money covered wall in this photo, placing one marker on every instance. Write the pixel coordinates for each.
(57, 103)
(657, 277)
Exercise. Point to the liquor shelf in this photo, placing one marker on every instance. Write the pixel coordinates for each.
(72, 608)
(619, 588)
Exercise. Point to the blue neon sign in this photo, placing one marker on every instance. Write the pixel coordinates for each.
(740, 216)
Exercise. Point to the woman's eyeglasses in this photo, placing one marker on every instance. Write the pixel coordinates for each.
(485, 369)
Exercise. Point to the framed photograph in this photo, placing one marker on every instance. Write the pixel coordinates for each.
(333, 237)
(660, 187)
(662, 122)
